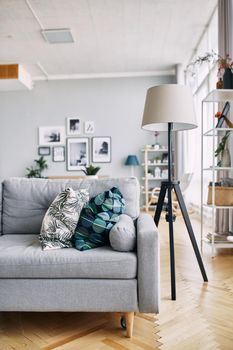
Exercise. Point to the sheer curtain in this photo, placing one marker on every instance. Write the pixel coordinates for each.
(183, 146)
(189, 142)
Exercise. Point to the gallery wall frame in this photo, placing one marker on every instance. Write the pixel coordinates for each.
(89, 127)
(58, 154)
(77, 153)
(51, 135)
(44, 151)
(73, 126)
(101, 149)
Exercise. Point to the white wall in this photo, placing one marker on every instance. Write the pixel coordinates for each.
(115, 105)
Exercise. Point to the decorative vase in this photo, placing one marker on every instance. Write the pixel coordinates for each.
(228, 79)
(157, 173)
(92, 177)
(226, 159)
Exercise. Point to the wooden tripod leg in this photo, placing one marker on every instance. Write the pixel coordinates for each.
(129, 318)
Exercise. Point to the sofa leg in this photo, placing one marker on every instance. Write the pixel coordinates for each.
(129, 318)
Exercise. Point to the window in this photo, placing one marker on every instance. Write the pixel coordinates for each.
(201, 82)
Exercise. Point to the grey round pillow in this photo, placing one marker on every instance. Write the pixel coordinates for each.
(123, 234)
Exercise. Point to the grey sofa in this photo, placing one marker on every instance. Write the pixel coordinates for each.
(67, 279)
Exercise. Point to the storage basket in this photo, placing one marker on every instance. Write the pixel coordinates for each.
(223, 196)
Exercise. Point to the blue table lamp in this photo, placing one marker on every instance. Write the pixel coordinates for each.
(132, 160)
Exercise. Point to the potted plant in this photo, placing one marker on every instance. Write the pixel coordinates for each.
(225, 68)
(41, 165)
(91, 171)
(223, 152)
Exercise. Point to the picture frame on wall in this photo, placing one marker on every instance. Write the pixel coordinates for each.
(89, 127)
(73, 126)
(44, 151)
(77, 153)
(101, 149)
(51, 135)
(58, 154)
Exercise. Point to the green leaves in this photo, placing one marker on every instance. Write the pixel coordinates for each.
(91, 170)
(222, 144)
(41, 165)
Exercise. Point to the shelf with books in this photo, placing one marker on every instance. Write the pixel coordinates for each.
(211, 172)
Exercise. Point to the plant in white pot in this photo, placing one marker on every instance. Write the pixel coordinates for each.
(91, 171)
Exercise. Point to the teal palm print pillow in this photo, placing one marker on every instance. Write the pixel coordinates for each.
(97, 218)
(61, 219)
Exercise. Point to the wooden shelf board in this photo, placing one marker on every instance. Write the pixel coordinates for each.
(152, 178)
(156, 164)
(154, 150)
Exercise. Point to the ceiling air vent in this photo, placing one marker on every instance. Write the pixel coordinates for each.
(58, 36)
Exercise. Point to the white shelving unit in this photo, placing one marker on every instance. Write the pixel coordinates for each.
(215, 97)
(148, 180)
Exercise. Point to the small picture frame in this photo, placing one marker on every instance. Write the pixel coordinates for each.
(77, 153)
(73, 126)
(51, 135)
(58, 154)
(89, 127)
(44, 151)
(101, 149)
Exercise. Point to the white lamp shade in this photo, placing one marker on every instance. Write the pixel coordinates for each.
(171, 103)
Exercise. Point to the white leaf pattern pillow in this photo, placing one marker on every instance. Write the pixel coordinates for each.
(61, 219)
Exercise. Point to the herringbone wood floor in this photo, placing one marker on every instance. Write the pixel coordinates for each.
(201, 318)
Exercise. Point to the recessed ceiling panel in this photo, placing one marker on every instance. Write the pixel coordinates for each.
(58, 36)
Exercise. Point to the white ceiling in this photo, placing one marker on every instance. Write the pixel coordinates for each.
(111, 36)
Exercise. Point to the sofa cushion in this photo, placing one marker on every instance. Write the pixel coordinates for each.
(61, 219)
(122, 236)
(25, 201)
(1, 208)
(21, 256)
(97, 218)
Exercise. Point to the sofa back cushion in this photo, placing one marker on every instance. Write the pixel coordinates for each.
(25, 201)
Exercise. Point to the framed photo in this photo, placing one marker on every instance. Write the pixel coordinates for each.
(44, 151)
(89, 127)
(73, 126)
(58, 154)
(51, 135)
(77, 153)
(101, 149)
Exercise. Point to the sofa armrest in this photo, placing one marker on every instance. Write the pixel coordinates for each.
(148, 264)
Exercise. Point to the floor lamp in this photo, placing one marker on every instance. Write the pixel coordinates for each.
(170, 108)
